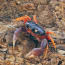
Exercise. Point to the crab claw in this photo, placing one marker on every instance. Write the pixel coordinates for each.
(23, 18)
(15, 36)
(37, 51)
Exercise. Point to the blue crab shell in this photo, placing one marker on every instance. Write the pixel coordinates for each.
(35, 28)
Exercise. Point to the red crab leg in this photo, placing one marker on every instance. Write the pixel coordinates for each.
(51, 33)
(34, 19)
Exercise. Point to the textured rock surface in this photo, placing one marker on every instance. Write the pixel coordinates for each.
(49, 14)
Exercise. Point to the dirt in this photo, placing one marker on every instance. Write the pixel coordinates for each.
(50, 15)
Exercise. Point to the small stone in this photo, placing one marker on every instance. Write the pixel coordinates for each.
(39, 64)
(61, 51)
(1, 56)
(19, 60)
(33, 64)
(27, 63)
(10, 58)
(18, 2)
(28, 6)
(7, 62)
(44, 2)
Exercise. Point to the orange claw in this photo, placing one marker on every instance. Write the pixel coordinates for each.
(23, 18)
(34, 19)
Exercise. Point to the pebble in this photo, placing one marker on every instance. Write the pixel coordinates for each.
(62, 52)
(10, 58)
(39, 64)
(19, 60)
(27, 63)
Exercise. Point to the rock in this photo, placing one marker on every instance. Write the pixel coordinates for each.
(28, 6)
(18, 2)
(27, 63)
(39, 64)
(19, 60)
(7, 62)
(44, 2)
(61, 49)
(10, 58)
(1, 56)
(62, 52)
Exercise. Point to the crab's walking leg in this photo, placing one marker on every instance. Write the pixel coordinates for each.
(44, 46)
(46, 50)
(51, 33)
(15, 36)
(52, 41)
(34, 19)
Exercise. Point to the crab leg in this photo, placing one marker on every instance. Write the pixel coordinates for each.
(52, 41)
(34, 19)
(15, 36)
(44, 46)
(51, 33)
(46, 50)
(44, 43)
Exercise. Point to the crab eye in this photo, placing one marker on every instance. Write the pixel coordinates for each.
(36, 30)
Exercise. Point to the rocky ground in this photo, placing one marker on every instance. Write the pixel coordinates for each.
(50, 14)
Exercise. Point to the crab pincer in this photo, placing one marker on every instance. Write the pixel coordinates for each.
(15, 36)
(37, 51)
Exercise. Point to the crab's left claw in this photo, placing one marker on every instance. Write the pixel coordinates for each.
(23, 18)
(15, 36)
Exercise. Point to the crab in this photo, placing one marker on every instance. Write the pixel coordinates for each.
(32, 28)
